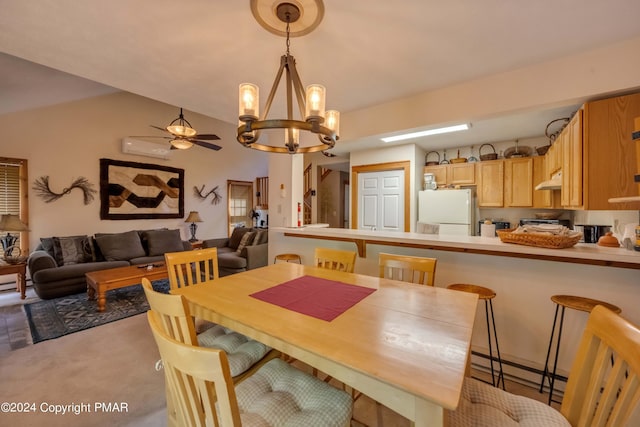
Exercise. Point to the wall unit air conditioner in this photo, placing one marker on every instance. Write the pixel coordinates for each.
(139, 147)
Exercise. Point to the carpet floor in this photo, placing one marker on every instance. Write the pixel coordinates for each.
(49, 319)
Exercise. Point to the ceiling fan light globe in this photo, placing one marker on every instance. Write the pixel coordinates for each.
(181, 144)
(182, 131)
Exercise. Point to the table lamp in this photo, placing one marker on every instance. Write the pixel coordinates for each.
(8, 223)
(193, 217)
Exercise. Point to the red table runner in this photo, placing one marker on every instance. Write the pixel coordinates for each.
(320, 298)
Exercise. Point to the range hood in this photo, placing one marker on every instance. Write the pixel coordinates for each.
(555, 183)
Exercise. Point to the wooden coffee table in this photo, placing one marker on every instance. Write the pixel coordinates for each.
(105, 280)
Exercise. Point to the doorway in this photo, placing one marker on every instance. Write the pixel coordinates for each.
(331, 197)
(240, 203)
(380, 196)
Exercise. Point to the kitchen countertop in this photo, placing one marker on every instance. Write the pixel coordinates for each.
(581, 253)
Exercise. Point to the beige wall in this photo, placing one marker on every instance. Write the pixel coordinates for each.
(66, 141)
(566, 81)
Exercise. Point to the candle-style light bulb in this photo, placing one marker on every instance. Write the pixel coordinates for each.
(314, 105)
(248, 106)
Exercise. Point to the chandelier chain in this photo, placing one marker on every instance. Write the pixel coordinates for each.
(288, 29)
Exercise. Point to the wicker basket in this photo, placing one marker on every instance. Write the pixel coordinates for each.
(488, 156)
(539, 240)
(428, 162)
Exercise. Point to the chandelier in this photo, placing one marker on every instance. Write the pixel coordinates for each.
(310, 101)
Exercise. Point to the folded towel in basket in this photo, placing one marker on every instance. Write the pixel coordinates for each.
(550, 229)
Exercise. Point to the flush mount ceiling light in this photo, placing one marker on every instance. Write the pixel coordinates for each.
(428, 132)
(297, 17)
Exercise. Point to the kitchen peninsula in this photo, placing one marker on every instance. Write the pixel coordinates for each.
(523, 277)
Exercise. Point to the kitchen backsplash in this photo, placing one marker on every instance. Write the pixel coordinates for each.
(616, 219)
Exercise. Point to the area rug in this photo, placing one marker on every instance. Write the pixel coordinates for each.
(49, 319)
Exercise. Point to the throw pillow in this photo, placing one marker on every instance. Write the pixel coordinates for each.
(236, 236)
(72, 250)
(120, 246)
(160, 242)
(47, 245)
(246, 240)
(262, 236)
(143, 238)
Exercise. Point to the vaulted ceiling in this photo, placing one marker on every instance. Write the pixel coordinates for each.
(194, 53)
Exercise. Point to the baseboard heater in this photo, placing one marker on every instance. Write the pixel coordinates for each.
(521, 367)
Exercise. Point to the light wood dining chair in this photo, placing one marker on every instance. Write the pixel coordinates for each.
(407, 268)
(200, 383)
(598, 393)
(245, 355)
(335, 259)
(189, 268)
(173, 314)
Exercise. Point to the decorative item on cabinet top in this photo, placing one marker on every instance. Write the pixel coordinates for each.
(488, 156)
(472, 158)
(444, 160)
(560, 124)
(459, 159)
(517, 151)
(428, 162)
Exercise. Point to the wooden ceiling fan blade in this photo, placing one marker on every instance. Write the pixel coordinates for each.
(159, 128)
(206, 144)
(207, 136)
(150, 136)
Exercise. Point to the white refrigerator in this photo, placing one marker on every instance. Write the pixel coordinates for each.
(453, 210)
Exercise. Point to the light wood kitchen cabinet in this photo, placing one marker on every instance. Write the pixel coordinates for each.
(571, 192)
(453, 174)
(490, 183)
(439, 172)
(609, 161)
(541, 199)
(461, 174)
(518, 182)
(554, 156)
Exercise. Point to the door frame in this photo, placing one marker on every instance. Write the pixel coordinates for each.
(381, 167)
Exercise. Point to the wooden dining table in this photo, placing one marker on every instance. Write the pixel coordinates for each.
(404, 345)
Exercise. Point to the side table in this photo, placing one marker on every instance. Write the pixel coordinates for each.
(197, 244)
(20, 270)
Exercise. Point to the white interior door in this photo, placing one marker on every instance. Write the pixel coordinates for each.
(381, 200)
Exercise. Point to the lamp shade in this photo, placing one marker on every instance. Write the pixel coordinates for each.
(181, 144)
(194, 216)
(12, 222)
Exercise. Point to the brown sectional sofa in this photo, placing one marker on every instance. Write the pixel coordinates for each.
(58, 265)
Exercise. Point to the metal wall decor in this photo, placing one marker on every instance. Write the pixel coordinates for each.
(43, 190)
(199, 192)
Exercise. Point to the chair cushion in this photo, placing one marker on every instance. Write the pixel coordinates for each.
(485, 405)
(281, 395)
(242, 352)
(160, 242)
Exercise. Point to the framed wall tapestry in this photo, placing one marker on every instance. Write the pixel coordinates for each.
(130, 190)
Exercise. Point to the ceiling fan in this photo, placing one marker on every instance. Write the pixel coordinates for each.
(184, 136)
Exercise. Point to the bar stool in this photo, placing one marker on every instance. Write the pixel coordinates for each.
(288, 258)
(487, 295)
(576, 303)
